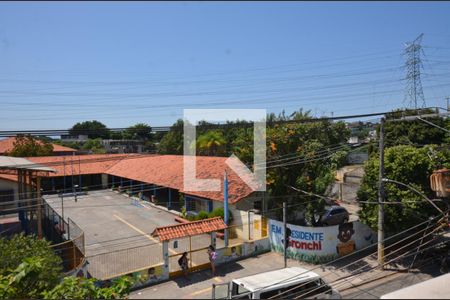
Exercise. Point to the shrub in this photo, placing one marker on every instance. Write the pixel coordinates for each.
(219, 212)
(202, 215)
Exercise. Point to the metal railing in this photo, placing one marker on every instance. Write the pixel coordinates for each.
(115, 263)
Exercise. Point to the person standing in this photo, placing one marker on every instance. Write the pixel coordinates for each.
(212, 254)
(183, 261)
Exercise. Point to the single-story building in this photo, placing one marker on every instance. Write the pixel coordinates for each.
(152, 177)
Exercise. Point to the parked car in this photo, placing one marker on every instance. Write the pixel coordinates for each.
(334, 215)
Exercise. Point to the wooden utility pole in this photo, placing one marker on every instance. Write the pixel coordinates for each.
(381, 198)
(285, 235)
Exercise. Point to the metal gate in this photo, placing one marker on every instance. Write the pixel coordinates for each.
(196, 247)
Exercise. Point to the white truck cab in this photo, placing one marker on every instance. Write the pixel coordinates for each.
(285, 283)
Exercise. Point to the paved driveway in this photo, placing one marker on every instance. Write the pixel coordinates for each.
(118, 232)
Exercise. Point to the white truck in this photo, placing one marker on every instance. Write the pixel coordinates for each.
(285, 283)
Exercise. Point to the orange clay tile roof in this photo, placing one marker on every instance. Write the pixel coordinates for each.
(161, 170)
(79, 164)
(7, 145)
(167, 171)
(189, 229)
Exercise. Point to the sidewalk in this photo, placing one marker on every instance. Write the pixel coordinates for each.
(199, 286)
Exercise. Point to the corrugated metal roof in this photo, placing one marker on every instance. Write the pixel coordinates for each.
(20, 163)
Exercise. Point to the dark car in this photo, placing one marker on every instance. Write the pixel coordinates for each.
(334, 215)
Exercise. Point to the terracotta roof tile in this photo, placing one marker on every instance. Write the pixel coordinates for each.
(162, 170)
(189, 229)
(80, 164)
(7, 145)
(167, 170)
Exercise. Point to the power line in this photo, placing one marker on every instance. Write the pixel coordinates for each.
(167, 128)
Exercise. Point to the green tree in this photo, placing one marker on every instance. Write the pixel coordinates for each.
(93, 129)
(13, 252)
(27, 146)
(409, 165)
(415, 132)
(19, 249)
(30, 269)
(116, 135)
(305, 155)
(25, 282)
(140, 131)
(95, 146)
(211, 143)
(172, 141)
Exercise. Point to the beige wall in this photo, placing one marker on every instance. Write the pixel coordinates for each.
(104, 181)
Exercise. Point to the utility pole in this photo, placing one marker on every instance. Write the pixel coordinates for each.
(64, 189)
(225, 207)
(448, 105)
(73, 186)
(381, 198)
(39, 207)
(285, 234)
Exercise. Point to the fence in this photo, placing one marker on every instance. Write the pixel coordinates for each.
(67, 237)
(120, 262)
(54, 226)
(75, 233)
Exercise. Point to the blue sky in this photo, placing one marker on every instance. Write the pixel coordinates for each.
(128, 62)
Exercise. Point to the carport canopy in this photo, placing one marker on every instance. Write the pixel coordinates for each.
(189, 229)
(10, 165)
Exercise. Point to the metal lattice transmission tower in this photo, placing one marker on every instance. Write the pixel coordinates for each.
(414, 90)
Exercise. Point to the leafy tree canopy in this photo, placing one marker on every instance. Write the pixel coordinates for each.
(409, 165)
(305, 155)
(172, 141)
(19, 247)
(28, 146)
(29, 269)
(415, 132)
(93, 129)
(211, 143)
(140, 131)
(94, 145)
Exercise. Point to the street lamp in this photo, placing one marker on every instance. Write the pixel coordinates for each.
(414, 190)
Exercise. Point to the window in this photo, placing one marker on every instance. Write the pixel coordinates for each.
(334, 212)
(191, 205)
(240, 290)
(7, 199)
(269, 294)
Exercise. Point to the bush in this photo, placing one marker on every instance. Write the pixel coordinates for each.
(29, 269)
(219, 212)
(202, 215)
(15, 250)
